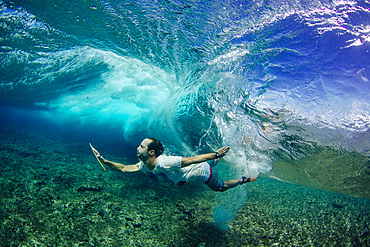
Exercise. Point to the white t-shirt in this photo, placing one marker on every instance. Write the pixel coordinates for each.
(168, 170)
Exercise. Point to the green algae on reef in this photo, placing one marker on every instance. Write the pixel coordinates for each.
(53, 193)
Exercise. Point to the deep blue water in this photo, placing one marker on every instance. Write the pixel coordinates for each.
(284, 83)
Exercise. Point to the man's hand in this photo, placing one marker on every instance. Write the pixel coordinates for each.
(223, 151)
(98, 155)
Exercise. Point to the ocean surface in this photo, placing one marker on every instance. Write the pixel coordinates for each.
(285, 84)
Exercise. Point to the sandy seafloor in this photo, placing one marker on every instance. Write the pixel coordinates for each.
(53, 193)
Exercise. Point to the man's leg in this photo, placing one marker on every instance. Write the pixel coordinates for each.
(235, 182)
(215, 183)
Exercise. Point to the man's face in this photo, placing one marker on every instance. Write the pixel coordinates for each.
(142, 150)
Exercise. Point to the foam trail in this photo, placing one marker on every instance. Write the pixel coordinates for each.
(228, 205)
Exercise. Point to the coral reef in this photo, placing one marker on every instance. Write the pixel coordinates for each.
(53, 193)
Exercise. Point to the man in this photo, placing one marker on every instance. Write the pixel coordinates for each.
(174, 169)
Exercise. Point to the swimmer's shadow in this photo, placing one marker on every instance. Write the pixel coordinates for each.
(204, 234)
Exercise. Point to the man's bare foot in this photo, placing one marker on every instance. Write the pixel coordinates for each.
(246, 179)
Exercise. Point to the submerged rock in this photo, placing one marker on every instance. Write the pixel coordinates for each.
(337, 205)
(84, 189)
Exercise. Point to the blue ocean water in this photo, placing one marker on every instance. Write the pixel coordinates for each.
(284, 83)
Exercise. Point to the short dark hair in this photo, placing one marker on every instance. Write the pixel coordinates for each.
(156, 145)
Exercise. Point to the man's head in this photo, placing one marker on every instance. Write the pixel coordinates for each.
(155, 145)
(149, 147)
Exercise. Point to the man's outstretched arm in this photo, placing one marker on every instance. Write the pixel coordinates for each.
(119, 167)
(116, 166)
(187, 161)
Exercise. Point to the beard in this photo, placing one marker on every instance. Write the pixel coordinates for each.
(142, 156)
